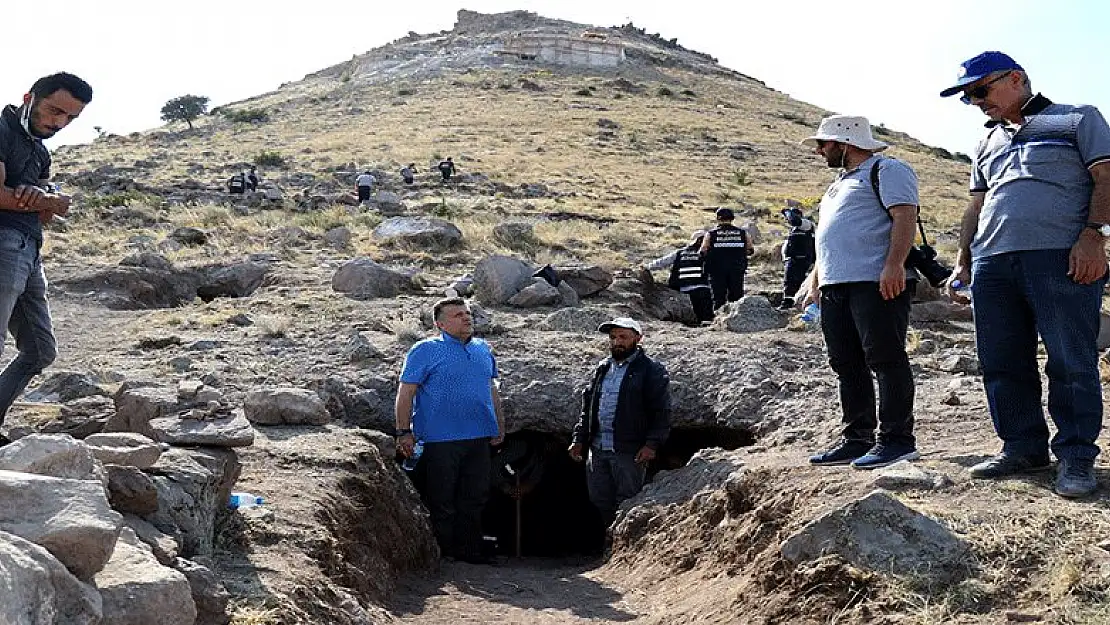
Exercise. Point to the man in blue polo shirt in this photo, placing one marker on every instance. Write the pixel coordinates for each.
(27, 201)
(448, 399)
(1032, 246)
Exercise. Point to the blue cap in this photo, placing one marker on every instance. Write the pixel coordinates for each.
(979, 66)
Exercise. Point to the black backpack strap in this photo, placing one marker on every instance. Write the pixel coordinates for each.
(875, 188)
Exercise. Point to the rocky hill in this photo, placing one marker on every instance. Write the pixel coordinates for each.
(254, 344)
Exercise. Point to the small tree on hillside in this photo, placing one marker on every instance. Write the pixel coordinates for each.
(185, 108)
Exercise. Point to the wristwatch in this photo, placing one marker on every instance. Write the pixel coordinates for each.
(1102, 229)
(399, 433)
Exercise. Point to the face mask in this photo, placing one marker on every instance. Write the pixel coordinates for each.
(25, 116)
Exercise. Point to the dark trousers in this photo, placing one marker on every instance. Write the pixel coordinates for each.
(363, 194)
(796, 270)
(727, 284)
(1018, 296)
(865, 333)
(702, 300)
(458, 481)
(611, 478)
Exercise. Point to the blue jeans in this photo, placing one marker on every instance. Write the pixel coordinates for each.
(24, 312)
(612, 477)
(1016, 296)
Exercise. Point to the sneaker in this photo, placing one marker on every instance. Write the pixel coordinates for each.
(1076, 478)
(844, 453)
(1005, 464)
(885, 455)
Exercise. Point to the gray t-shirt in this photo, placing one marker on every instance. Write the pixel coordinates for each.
(853, 231)
(1036, 180)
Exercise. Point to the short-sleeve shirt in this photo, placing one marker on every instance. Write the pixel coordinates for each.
(853, 231)
(26, 162)
(1036, 178)
(453, 398)
(365, 180)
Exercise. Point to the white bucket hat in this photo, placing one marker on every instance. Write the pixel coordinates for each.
(849, 129)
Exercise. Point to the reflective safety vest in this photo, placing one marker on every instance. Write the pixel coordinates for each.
(727, 247)
(687, 270)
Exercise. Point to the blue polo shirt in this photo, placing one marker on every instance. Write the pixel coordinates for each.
(453, 400)
(1036, 178)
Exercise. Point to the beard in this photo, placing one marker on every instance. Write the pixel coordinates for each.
(620, 353)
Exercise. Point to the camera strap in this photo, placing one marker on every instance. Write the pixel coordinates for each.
(875, 188)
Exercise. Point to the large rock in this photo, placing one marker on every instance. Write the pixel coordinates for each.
(539, 293)
(238, 280)
(134, 288)
(66, 386)
(233, 430)
(498, 278)
(124, 448)
(285, 406)
(38, 590)
(137, 590)
(81, 417)
(137, 405)
(56, 455)
(752, 313)
(586, 280)
(130, 490)
(188, 500)
(425, 232)
(881, 534)
(209, 594)
(187, 235)
(667, 304)
(387, 203)
(937, 311)
(70, 518)
(362, 278)
(164, 546)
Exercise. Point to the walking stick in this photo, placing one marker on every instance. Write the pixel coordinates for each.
(519, 495)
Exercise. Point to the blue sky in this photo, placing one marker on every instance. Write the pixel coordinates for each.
(883, 59)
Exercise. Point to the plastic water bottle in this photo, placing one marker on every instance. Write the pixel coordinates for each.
(244, 500)
(812, 314)
(410, 463)
(961, 288)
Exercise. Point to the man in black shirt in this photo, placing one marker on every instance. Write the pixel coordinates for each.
(27, 201)
(726, 249)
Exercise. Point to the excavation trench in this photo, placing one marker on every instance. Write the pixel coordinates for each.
(553, 516)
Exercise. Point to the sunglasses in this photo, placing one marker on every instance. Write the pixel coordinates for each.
(980, 92)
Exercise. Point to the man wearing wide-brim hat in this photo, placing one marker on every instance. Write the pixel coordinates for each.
(864, 233)
(1032, 246)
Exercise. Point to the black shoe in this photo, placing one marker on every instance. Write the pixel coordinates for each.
(844, 453)
(1005, 464)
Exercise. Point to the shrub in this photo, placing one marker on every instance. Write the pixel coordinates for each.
(689, 93)
(584, 92)
(664, 92)
(246, 116)
(269, 158)
(119, 198)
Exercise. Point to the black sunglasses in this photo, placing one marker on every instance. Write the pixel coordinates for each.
(980, 92)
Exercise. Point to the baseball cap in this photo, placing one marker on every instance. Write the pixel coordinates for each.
(725, 213)
(979, 66)
(621, 322)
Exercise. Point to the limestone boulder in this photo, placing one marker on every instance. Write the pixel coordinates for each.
(285, 406)
(752, 313)
(137, 590)
(70, 518)
(362, 278)
(881, 534)
(231, 430)
(38, 590)
(422, 232)
(124, 448)
(57, 455)
(539, 293)
(498, 278)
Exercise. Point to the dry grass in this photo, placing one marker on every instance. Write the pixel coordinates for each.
(247, 615)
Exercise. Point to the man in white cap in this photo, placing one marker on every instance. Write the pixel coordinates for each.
(626, 417)
(864, 234)
(1032, 246)
(688, 275)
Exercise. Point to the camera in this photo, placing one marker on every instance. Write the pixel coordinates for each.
(923, 258)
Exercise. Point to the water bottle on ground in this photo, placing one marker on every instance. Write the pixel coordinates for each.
(244, 500)
(410, 463)
(811, 315)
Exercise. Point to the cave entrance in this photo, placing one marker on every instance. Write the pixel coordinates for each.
(554, 513)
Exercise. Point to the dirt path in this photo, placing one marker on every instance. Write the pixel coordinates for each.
(525, 592)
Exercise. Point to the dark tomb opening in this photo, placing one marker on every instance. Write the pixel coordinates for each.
(553, 512)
